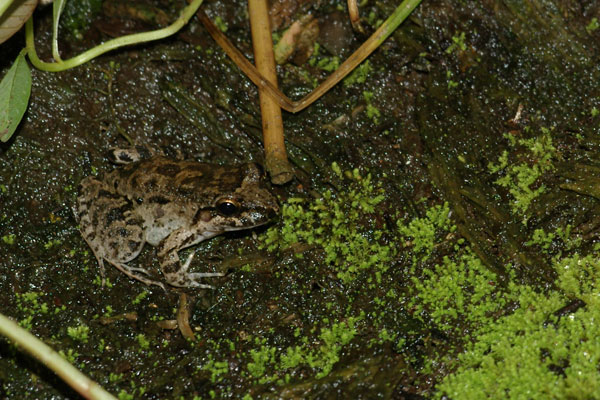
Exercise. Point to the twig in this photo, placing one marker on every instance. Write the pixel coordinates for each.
(183, 318)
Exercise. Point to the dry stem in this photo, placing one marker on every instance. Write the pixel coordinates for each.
(276, 160)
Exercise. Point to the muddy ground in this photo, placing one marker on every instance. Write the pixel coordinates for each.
(453, 88)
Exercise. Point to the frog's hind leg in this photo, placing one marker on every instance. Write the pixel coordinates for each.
(112, 229)
(124, 240)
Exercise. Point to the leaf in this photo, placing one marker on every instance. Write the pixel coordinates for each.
(15, 89)
(14, 17)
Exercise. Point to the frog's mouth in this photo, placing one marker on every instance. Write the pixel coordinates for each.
(248, 220)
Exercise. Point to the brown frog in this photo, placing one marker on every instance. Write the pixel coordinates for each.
(172, 205)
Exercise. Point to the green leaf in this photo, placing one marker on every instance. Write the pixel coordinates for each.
(15, 89)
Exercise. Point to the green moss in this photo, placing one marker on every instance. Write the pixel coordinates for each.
(558, 241)
(31, 306)
(334, 222)
(143, 341)
(593, 25)
(457, 293)
(541, 239)
(522, 176)
(52, 243)
(138, 299)
(502, 341)
(579, 277)
(216, 368)
(221, 24)
(71, 355)
(329, 64)
(270, 363)
(534, 352)
(9, 239)
(79, 333)
(359, 74)
(451, 83)
(423, 233)
(372, 111)
(261, 360)
(524, 356)
(321, 61)
(458, 43)
(124, 395)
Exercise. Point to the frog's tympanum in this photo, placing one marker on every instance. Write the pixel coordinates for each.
(172, 205)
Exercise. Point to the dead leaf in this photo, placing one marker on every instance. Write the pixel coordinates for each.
(15, 17)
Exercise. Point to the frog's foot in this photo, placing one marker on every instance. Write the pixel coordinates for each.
(133, 273)
(180, 277)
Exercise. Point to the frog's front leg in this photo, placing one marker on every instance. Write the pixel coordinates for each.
(174, 271)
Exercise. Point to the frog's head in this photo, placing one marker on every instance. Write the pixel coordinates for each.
(247, 205)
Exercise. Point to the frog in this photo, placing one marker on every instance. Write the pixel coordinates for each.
(171, 205)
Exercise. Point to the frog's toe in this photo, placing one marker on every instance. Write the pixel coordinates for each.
(139, 269)
(191, 279)
(134, 273)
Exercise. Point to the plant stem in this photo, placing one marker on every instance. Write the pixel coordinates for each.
(354, 16)
(276, 161)
(94, 52)
(51, 359)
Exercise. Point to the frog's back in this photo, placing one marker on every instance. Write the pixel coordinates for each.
(159, 179)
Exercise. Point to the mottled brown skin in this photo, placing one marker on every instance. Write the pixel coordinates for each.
(172, 205)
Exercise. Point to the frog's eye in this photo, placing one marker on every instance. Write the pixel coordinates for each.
(227, 207)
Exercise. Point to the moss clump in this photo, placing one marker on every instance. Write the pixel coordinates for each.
(458, 293)
(541, 350)
(215, 368)
(320, 357)
(423, 233)
(579, 278)
(531, 354)
(521, 172)
(359, 74)
(336, 222)
(80, 332)
(554, 242)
